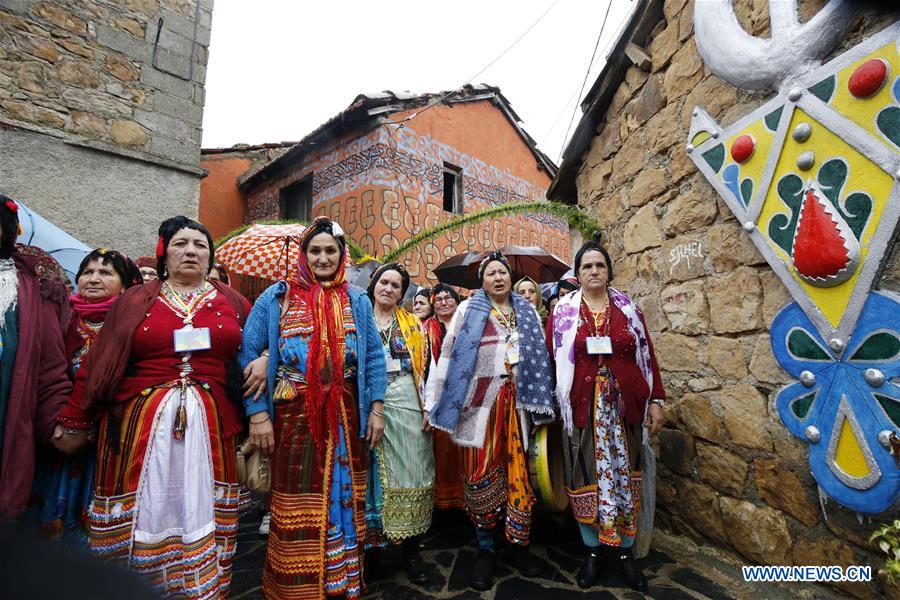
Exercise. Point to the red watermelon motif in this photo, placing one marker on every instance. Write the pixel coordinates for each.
(823, 243)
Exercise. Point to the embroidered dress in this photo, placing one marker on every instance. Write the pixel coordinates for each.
(399, 497)
(64, 483)
(318, 496)
(602, 482)
(166, 499)
(496, 480)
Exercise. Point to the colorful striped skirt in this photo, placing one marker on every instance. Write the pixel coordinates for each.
(318, 510)
(166, 508)
(496, 475)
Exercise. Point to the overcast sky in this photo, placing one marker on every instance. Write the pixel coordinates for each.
(280, 68)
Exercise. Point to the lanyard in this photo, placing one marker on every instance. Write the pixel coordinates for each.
(596, 317)
(509, 321)
(386, 340)
(187, 309)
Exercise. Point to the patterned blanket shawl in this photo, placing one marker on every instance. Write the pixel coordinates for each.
(472, 369)
(565, 326)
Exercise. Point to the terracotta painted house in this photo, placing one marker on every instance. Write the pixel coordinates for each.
(392, 164)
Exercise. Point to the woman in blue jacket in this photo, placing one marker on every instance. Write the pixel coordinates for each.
(316, 383)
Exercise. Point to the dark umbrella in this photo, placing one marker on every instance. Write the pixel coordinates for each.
(455, 270)
(525, 261)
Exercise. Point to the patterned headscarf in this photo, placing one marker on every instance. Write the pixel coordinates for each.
(539, 306)
(324, 301)
(496, 255)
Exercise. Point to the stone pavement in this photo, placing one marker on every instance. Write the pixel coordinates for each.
(449, 550)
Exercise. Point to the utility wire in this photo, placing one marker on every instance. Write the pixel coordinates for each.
(583, 83)
(489, 65)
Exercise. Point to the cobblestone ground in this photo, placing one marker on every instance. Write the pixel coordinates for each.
(449, 550)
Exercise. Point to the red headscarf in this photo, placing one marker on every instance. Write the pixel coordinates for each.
(326, 301)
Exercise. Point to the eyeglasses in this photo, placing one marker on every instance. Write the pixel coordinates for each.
(444, 300)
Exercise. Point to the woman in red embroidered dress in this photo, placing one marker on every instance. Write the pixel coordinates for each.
(608, 386)
(63, 485)
(166, 496)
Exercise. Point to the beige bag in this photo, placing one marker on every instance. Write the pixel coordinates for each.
(252, 468)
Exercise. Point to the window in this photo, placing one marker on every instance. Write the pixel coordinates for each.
(453, 190)
(295, 201)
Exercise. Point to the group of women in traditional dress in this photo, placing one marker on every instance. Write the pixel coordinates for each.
(140, 386)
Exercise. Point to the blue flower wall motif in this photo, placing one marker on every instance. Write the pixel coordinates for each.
(845, 404)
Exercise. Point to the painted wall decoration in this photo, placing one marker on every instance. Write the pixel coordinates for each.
(385, 186)
(814, 177)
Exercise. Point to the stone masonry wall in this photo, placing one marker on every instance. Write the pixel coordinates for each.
(729, 472)
(85, 70)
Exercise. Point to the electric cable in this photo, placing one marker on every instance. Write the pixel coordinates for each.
(583, 83)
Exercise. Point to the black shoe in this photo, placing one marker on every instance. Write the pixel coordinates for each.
(413, 564)
(589, 572)
(630, 571)
(524, 561)
(482, 578)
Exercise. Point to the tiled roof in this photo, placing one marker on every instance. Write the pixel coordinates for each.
(371, 109)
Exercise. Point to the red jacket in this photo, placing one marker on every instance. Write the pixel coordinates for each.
(40, 383)
(629, 379)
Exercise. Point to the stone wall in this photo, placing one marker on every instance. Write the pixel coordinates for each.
(96, 134)
(729, 474)
(86, 68)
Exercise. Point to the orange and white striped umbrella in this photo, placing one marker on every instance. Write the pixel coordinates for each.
(266, 251)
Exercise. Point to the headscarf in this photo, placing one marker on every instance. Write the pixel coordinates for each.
(10, 229)
(537, 288)
(391, 266)
(325, 361)
(496, 255)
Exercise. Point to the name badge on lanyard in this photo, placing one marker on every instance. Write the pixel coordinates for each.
(599, 344)
(512, 348)
(190, 339)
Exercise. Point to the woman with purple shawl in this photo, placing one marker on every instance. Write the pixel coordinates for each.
(608, 386)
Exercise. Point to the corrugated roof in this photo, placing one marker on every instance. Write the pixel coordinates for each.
(644, 17)
(371, 109)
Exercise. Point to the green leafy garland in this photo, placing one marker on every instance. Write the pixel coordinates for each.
(356, 251)
(588, 227)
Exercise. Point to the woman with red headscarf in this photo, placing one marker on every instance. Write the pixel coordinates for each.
(316, 385)
(157, 378)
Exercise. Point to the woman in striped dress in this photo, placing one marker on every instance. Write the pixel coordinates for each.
(316, 378)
